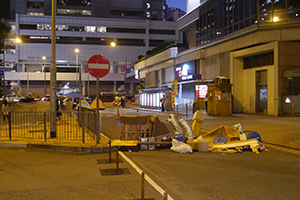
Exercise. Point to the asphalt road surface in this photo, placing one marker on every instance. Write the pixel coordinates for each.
(52, 174)
(269, 175)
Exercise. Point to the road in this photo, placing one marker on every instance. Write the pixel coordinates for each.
(268, 175)
(53, 174)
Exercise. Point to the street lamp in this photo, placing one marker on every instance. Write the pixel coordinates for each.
(79, 85)
(44, 58)
(113, 44)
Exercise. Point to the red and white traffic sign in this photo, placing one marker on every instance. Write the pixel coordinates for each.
(98, 66)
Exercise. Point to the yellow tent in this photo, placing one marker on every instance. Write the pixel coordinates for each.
(84, 104)
(101, 105)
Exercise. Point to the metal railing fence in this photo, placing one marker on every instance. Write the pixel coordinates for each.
(36, 125)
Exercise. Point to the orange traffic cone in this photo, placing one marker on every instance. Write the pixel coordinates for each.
(118, 114)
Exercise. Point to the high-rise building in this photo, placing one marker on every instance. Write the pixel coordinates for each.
(87, 25)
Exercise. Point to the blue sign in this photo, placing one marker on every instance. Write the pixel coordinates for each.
(1, 73)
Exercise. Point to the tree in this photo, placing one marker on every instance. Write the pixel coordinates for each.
(149, 52)
(4, 31)
(140, 57)
(169, 41)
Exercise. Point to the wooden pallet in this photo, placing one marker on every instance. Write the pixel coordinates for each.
(136, 131)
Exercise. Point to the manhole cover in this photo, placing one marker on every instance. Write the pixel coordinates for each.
(105, 161)
(112, 172)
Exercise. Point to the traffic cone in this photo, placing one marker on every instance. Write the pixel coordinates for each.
(118, 114)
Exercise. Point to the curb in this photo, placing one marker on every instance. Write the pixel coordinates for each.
(14, 144)
(282, 145)
(101, 149)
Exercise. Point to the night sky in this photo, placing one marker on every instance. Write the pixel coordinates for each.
(177, 4)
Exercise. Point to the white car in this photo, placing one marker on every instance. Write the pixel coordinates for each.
(13, 97)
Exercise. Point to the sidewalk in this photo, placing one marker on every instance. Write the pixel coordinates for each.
(283, 131)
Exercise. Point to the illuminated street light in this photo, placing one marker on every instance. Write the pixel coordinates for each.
(79, 85)
(113, 44)
(275, 19)
(18, 40)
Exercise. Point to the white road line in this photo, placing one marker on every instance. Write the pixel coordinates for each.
(150, 181)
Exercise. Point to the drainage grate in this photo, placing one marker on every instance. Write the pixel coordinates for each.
(112, 172)
(105, 161)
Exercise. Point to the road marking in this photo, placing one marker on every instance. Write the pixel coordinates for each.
(150, 181)
(294, 151)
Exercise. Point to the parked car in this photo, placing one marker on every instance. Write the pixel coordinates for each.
(13, 97)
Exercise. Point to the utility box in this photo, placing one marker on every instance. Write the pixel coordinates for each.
(219, 99)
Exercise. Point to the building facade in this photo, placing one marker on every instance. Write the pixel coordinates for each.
(254, 44)
(89, 26)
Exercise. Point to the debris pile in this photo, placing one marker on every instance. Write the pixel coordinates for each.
(222, 139)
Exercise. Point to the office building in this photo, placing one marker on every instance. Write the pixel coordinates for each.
(251, 44)
(89, 26)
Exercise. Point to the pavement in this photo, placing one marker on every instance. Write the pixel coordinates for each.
(281, 131)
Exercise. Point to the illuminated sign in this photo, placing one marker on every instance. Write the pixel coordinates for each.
(201, 91)
(187, 77)
(184, 72)
(136, 74)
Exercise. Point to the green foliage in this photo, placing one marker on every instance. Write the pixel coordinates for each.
(168, 43)
(149, 52)
(4, 30)
(140, 57)
(140, 86)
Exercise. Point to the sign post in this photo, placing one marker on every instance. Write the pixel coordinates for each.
(98, 66)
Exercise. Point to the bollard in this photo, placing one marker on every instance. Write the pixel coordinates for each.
(143, 186)
(109, 153)
(165, 196)
(117, 160)
(137, 112)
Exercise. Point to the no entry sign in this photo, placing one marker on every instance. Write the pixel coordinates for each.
(98, 66)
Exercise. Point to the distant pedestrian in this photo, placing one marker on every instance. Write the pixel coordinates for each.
(5, 110)
(122, 102)
(163, 102)
(205, 100)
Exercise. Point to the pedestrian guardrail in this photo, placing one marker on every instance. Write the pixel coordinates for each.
(36, 125)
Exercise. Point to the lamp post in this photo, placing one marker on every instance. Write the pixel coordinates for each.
(44, 58)
(53, 69)
(125, 75)
(79, 85)
(114, 44)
